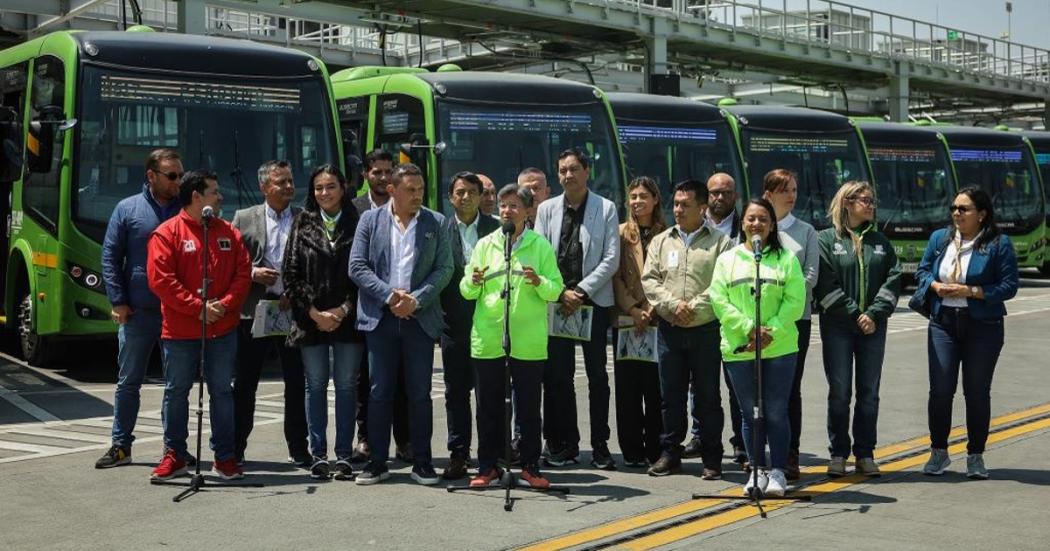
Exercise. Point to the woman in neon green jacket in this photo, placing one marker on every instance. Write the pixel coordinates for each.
(783, 301)
(534, 281)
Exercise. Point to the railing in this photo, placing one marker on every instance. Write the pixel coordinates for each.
(826, 22)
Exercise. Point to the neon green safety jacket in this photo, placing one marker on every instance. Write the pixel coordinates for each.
(528, 304)
(733, 299)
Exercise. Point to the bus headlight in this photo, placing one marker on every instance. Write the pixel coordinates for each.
(86, 278)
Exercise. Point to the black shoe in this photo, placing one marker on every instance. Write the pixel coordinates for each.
(320, 470)
(301, 459)
(633, 463)
(372, 474)
(190, 460)
(456, 469)
(666, 465)
(601, 458)
(692, 449)
(240, 459)
(115, 457)
(562, 458)
(361, 452)
(404, 453)
(739, 455)
(425, 475)
(343, 470)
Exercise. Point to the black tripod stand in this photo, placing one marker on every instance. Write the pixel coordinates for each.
(197, 482)
(508, 480)
(758, 423)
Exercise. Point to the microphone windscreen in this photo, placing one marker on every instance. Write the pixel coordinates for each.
(508, 227)
(207, 212)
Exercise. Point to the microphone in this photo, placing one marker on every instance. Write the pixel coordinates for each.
(756, 246)
(207, 212)
(509, 227)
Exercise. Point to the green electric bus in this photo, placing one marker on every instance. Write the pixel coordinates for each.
(671, 139)
(915, 182)
(1041, 144)
(1003, 164)
(80, 112)
(491, 123)
(823, 149)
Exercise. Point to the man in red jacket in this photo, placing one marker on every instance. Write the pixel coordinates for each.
(174, 271)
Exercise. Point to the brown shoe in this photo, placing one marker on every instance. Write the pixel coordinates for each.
(456, 469)
(666, 465)
(711, 474)
(792, 470)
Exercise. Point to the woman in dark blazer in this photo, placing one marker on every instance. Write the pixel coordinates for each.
(323, 307)
(967, 272)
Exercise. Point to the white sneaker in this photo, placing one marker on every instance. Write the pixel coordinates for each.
(777, 485)
(763, 481)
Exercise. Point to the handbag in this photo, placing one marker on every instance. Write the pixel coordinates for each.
(920, 301)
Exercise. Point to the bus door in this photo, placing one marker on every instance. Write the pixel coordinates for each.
(401, 130)
(13, 82)
(353, 124)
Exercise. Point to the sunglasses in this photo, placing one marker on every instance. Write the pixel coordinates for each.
(961, 209)
(170, 175)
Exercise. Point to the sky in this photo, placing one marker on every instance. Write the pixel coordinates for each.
(1029, 21)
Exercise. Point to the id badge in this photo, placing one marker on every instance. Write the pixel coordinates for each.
(672, 259)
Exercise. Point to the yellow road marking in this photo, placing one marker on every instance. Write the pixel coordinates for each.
(666, 513)
(736, 515)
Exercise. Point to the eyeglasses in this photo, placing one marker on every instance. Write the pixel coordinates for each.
(961, 209)
(170, 175)
(866, 201)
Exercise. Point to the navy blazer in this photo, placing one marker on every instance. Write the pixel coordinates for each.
(993, 268)
(459, 312)
(370, 268)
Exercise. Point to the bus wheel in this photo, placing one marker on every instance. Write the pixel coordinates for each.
(35, 349)
(1045, 269)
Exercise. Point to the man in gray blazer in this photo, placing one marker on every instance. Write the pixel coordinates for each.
(264, 229)
(400, 261)
(584, 229)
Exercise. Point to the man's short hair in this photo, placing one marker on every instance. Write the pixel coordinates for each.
(523, 193)
(194, 180)
(530, 171)
(269, 166)
(696, 187)
(405, 169)
(157, 156)
(468, 177)
(581, 156)
(377, 155)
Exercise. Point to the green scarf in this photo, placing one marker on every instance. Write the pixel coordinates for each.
(330, 223)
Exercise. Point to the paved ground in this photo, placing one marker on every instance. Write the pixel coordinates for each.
(54, 424)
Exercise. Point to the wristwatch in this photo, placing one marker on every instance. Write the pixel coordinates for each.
(974, 290)
(345, 309)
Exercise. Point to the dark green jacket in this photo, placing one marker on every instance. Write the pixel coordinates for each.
(851, 284)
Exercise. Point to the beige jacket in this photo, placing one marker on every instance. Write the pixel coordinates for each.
(674, 272)
(627, 282)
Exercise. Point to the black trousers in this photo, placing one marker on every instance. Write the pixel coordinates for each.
(251, 354)
(400, 421)
(805, 328)
(527, 384)
(691, 355)
(459, 382)
(559, 387)
(639, 421)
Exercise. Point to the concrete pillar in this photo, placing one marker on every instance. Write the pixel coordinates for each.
(655, 58)
(191, 16)
(899, 95)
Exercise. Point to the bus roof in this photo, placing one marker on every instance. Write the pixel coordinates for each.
(503, 88)
(973, 136)
(1040, 140)
(662, 109)
(193, 54)
(797, 119)
(897, 133)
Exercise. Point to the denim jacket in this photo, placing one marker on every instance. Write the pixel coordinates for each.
(993, 268)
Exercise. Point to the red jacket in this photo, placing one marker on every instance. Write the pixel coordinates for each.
(174, 272)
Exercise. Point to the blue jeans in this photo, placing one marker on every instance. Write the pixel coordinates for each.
(181, 362)
(777, 375)
(136, 340)
(397, 345)
(954, 339)
(340, 362)
(848, 355)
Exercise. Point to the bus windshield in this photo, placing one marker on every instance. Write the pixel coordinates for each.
(500, 142)
(1042, 158)
(1008, 175)
(822, 162)
(670, 154)
(226, 125)
(915, 187)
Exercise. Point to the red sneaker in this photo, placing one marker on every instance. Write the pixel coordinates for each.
(531, 477)
(227, 469)
(170, 466)
(486, 479)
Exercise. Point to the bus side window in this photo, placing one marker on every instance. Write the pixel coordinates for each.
(40, 191)
(12, 116)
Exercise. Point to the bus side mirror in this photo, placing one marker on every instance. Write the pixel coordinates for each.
(42, 135)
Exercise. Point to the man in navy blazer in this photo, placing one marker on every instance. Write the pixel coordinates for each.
(400, 261)
(583, 228)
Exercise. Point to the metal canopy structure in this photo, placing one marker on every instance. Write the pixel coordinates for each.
(819, 53)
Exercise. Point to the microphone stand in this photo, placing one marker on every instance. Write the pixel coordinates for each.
(755, 494)
(197, 482)
(508, 479)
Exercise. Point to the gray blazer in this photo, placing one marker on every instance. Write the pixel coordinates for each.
(251, 222)
(370, 268)
(600, 236)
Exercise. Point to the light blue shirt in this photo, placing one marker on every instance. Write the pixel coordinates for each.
(278, 226)
(468, 235)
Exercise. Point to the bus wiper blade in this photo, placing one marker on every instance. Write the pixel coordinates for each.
(896, 211)
(243, 191)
